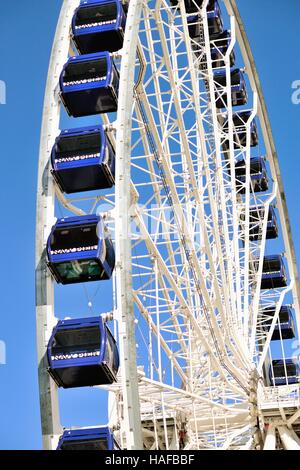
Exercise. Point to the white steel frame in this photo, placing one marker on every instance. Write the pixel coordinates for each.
(187, 278)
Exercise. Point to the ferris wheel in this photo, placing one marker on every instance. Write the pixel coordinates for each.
(161, 215)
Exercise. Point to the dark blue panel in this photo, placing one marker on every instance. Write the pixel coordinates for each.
(218, 50)
(219, 46)
(82, 352)
(80, 250)
(274, 274)
(285, 327)
(214, 20)
(256, 216)
(83, 160)
(100, 438)
(89, 85)
(240, 120)
(258, 175)
(99, 26)
(280, 377)
(238, 88)
(192, 6)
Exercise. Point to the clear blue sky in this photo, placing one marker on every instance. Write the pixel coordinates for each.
(26, 33)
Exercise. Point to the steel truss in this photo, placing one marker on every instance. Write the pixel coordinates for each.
(188, 304)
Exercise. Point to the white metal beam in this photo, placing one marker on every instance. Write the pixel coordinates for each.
(289, 439)
(45, 319)
(293, 418)
(270, 439)
(127, 342)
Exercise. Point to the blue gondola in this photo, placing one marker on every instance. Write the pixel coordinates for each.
(238, 88)
(240, 120)
(101, 438)
(258, 175)
(279, 376)
(285, 328)
(89, 85)
(273, 274)
(214, 20)
(256, 219)
(83, 160)
(82, 352)
(219, 46)
(80, 250)
(192, 6)
(98, 26)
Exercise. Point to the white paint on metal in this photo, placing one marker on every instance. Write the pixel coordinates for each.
(288, 438)
(127, 342)
(51, 427)
(270, 439)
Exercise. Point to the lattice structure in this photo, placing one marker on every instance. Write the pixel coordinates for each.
(192, 205)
